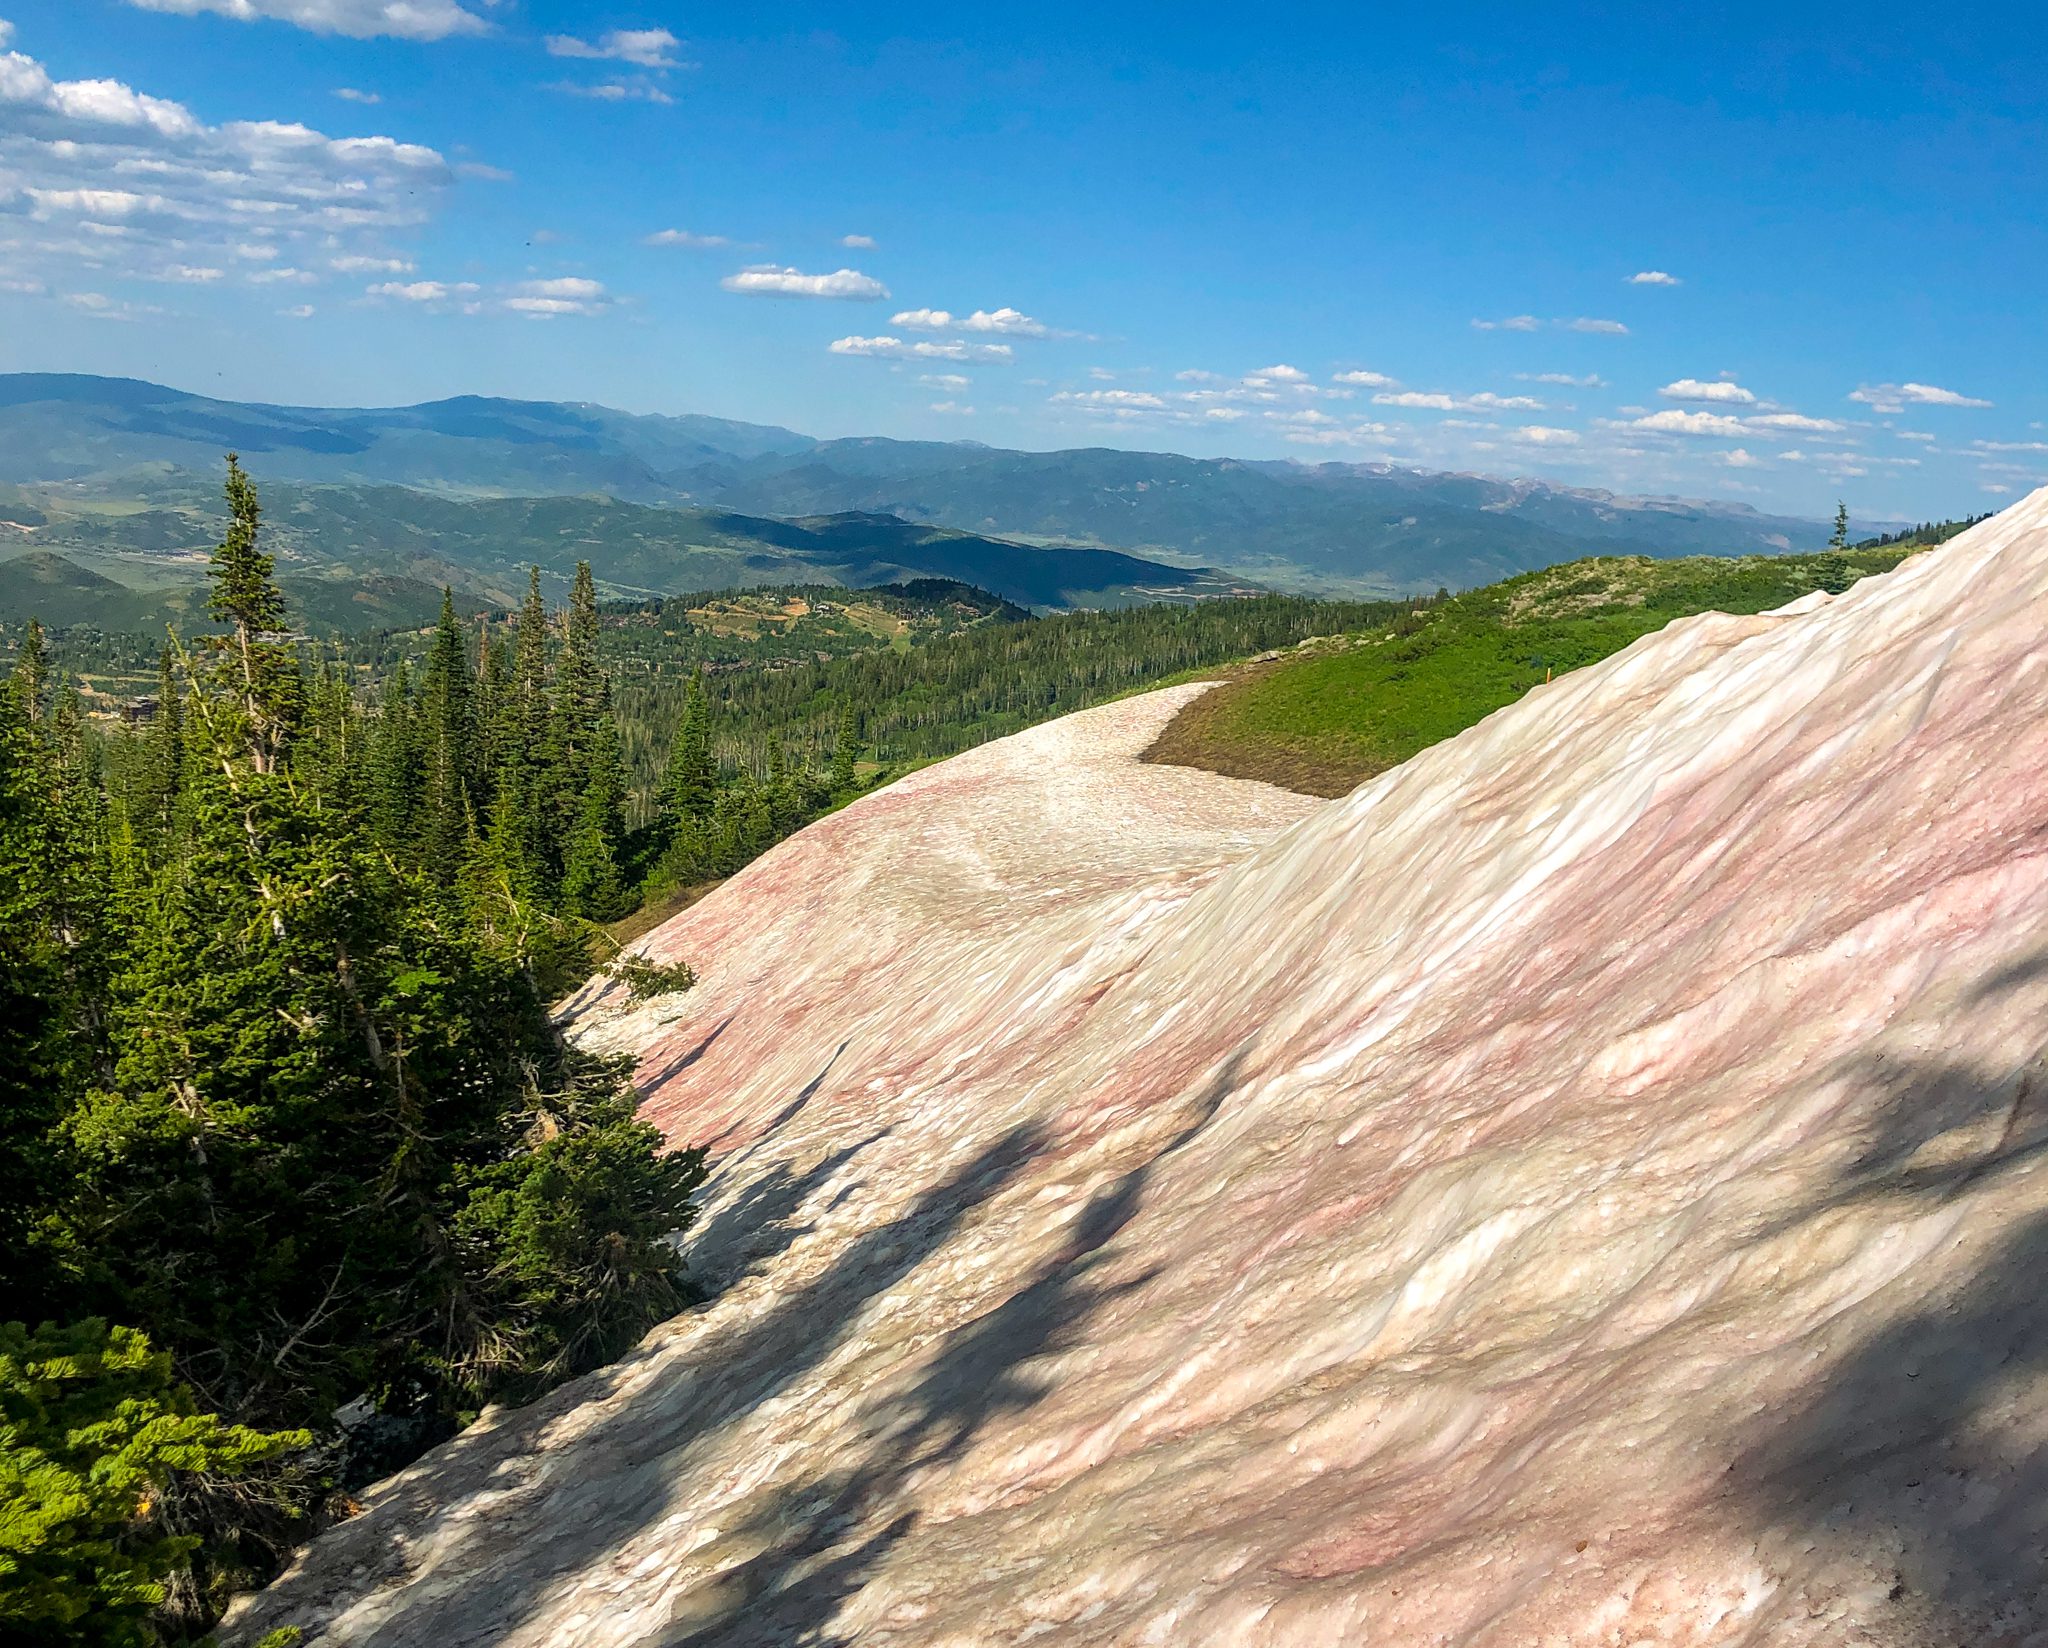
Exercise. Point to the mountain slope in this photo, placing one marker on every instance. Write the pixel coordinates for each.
(388, 536)
(1587, 1186)
(1339, 526)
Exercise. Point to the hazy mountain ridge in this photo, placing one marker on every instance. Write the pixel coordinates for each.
(1338, 526)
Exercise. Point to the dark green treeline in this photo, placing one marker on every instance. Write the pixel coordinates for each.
(295, 1172)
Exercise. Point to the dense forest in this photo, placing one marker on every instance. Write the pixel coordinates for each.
(296, 1174)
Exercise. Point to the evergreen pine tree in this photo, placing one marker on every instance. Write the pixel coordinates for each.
(845, 752)
(160, 772)
(256, 666)
(691, 785)
(1840, 540)
(445, 742)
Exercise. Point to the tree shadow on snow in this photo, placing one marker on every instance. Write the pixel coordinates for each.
(1918, 1454)
(810, 1560)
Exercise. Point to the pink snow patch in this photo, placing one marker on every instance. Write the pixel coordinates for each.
(1585, 1187)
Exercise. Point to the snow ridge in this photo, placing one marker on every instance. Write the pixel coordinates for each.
(1585, 1187)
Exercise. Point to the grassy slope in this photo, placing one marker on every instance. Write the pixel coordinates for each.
(1327, 717)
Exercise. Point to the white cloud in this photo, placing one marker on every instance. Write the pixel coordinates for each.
(101, 307)
(482, 173)
(1653, 277)
(1125, 399)
(1279, 374)
(1589, 323)
(1484, 401)
(768, 280)
(298, 311)
(2010, 446)
(953, 381)
(1794, 421)
(1895, 397)
(1912, 435)
(1514, 323)
(683, 237)
(126, 185)
(6, 31)
(1011, 323)
(646, 48)
(359, 265)
(954, 408)
(1367, 380)
(886, 348)
(1739, 458)
(189, 274)
(1990, 486)
(284, 273)
(420, 291)
(1537, 434)
(1717, 390)
(1592, 380)
(858, 243)
(358, 19)
(1675, 422)
(355, 94)
(615, 91)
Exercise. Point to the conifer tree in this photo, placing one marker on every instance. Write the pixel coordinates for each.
(256, 666)
(161, 768)
(845, 752)
(691, 786)
(445, 742)
(1840, 540)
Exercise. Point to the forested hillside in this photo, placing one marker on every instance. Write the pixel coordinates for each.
(298, 1175)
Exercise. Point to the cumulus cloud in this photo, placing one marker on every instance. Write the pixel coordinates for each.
(1794, 421)
(1367, 380)
(770, 280)
(6, 31)
(645, 48)
(954, 408)
(1709, 390)
(1675, 422)
(1912, 434)
(1539, 434)
(107, 178)
(615, 91)
(1895, 397)
(1011, 323)
(1130, 399)
(1592, 380)
(953, 381)
(1514, 323)
(421, 291)
(887, 348)
(357, 265)
(355, 94)
(298, 311)
(2010, 446)
(1484, 401)
(683, 237)
(358, 19)
(1653, 277)
(1592, 323)
(858, 243)
(1740, 458)
(534, 299)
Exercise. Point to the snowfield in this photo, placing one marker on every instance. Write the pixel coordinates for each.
(1585, 1187)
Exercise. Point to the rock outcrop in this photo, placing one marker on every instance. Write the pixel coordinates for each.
(1585, 1187)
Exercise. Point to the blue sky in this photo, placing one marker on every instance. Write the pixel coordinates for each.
(1729, 252)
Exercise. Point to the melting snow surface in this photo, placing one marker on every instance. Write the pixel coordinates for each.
(1585, 1187)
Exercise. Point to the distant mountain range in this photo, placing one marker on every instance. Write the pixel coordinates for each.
(120, 477)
